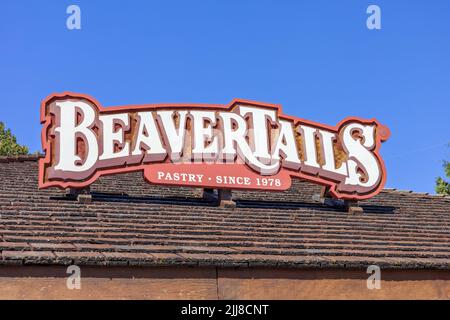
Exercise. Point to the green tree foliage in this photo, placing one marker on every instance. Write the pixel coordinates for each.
(8, 143)
(442, 186)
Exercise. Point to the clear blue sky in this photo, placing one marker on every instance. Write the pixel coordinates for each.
(315, 57)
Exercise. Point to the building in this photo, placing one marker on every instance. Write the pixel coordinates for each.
(141, 241)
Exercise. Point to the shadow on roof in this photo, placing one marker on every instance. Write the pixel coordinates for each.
(283, 205)
(240, 203)
(375, 209)
(372, 209)
(123, 197)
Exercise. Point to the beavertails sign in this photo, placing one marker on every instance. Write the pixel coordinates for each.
(242, 145)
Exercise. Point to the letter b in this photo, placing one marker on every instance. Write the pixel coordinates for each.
(68, 132)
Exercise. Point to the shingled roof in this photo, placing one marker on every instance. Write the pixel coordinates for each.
(133, 223)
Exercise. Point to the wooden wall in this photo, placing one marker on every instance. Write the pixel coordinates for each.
(49, 282)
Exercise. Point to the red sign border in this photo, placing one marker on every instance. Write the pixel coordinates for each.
(383, 134)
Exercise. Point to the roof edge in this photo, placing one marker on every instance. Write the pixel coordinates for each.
(315, 264)
(415, 193)
(22, 158)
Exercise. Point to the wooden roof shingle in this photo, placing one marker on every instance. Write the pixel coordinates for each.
(134, 223)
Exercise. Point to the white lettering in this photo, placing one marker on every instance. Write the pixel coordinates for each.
(175, 137)
(111, 136)
(360, 156)
(287, 147)
(68, 132)
(148, 137)
(204, 134)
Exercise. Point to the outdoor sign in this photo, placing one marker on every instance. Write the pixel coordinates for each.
(243, 145)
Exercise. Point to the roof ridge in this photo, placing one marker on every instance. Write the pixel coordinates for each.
(416, 193)
(36, 156)
(21, 158)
